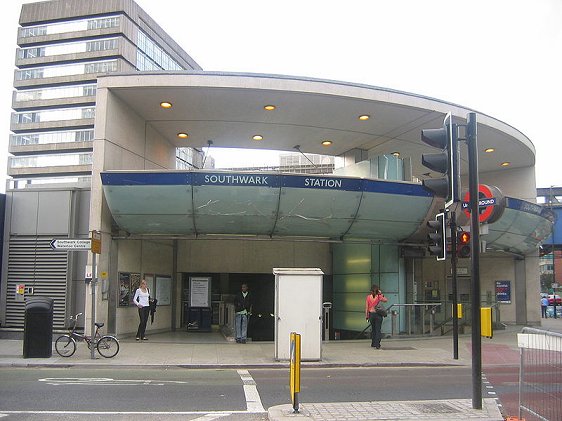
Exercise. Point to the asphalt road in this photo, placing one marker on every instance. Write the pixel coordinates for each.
(74, 393)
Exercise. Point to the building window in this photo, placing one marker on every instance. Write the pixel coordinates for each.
(53, 115)
(70, 26)
(101, 45)
(55, 93)
(50, 160)
(67, 48)
(101, 67)
(67, 70)
(151, 57)
(44, 138)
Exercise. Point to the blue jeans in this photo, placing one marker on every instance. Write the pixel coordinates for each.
(241, 326)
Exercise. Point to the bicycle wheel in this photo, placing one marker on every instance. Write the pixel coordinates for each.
(108, 346)
(65, 346)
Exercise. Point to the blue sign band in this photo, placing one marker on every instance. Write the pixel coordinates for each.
(262, 180)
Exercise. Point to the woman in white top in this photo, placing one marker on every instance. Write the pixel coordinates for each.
(141, 299)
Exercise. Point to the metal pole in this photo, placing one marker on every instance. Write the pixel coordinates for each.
(93, 322)
(471, 137)
(553, 253)
(454, 282)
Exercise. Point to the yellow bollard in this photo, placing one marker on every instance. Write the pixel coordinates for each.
(486, 322)
(459, 311)
(295, 370)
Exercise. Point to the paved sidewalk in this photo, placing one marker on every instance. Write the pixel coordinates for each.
(440, 410)
(188, 350)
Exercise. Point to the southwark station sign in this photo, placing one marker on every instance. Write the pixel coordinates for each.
(264, 180)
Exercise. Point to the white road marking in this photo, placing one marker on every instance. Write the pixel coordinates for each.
(209, 417)
(93, 381)
(218, 414)
(253, 400)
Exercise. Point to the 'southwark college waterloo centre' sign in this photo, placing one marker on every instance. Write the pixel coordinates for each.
(71, 244)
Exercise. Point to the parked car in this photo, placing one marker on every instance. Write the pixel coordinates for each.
(553, 297)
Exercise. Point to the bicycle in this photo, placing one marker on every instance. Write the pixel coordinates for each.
(65, 345)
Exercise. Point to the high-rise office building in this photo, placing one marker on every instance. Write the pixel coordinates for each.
(63, 46)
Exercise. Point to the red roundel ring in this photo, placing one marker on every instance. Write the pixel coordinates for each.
(485, 212)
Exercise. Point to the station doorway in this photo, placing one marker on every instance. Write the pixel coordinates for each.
(224, 287)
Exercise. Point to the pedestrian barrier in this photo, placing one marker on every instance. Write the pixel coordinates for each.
(540, 374)
(419, 318)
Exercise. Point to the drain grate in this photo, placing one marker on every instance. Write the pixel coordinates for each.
(435, 408)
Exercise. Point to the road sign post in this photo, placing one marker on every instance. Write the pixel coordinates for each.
(96, 249)
(92, 244)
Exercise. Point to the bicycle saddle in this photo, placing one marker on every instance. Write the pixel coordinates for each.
(99, 325)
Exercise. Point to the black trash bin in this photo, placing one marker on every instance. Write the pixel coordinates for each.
(38, 328)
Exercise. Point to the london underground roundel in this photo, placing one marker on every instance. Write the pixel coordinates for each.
(491, 203)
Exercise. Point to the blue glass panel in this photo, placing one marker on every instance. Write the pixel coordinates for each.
(375, 258)
(156, 224)
(389, 283)
(235, 209)
(352, 283)
(149, 200)
(389, 258)
(354, 301)
(351, 258)
(348, 320)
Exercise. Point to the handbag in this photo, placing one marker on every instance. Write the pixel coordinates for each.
(380, 310)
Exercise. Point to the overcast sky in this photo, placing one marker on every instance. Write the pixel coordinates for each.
(499, 57)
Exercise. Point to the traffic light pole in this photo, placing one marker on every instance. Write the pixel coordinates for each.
(471, 138)
(453, 226)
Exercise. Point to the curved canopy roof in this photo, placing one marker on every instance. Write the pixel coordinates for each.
(264, 204)
(228, 108)
(202, 203)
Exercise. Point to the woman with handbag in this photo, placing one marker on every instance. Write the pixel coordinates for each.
(375, 316)
(142, 300)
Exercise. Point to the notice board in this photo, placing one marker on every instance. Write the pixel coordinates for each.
(199, 292)
(503, 292)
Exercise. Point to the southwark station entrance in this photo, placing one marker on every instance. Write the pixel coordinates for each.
(364, 224)
(223, 229)
(202, 234)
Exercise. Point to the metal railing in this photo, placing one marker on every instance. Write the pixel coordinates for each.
(540, 374)
(434, 318)
(419, 318)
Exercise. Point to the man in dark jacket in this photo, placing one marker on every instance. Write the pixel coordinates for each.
(243, 309)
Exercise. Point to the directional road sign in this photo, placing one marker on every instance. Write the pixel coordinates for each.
(71, 244)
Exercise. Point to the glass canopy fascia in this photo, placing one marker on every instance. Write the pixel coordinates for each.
(290, 205)
(270, 204)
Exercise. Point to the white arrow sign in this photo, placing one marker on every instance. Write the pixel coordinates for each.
(71, 244)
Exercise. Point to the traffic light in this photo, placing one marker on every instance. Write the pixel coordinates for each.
(445, 162)
(463, 244)
(437, 238)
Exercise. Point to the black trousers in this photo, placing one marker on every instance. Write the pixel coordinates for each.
(376, 326)
(143, 316)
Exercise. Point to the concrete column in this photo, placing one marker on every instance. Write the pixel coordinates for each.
(520, 292)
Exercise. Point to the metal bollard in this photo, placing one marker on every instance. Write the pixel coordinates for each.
(393, 327)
